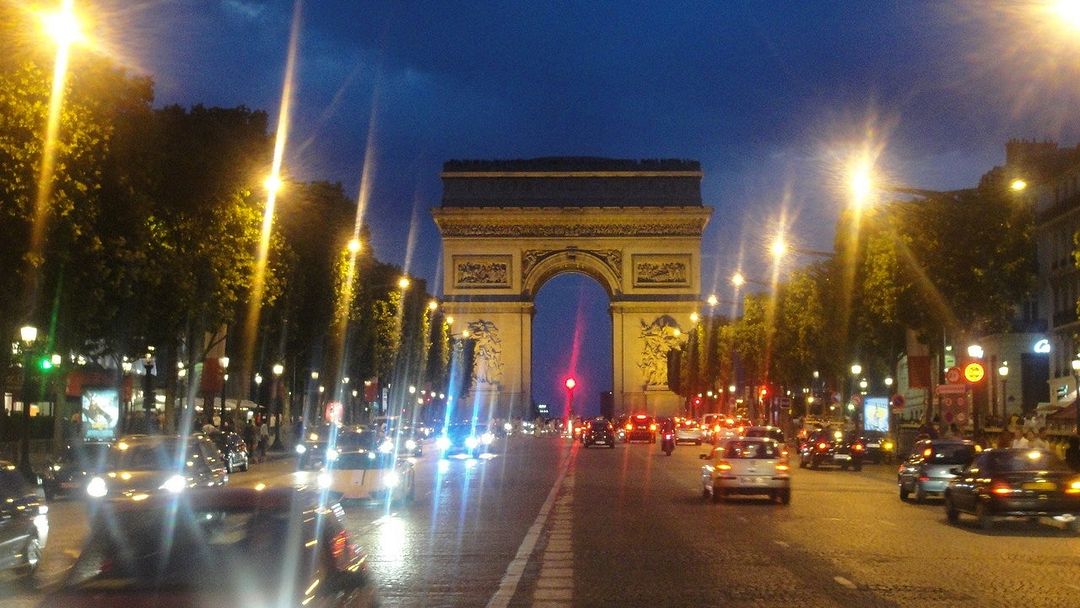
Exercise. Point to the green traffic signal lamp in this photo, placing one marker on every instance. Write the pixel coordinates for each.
(45, 363)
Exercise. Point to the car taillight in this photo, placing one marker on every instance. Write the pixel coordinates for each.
(782, 467)
(924, 478)
(857, 447)
(716, 429)
(723, 466)
(740, 430)
(629, 426)
(652, 427)
(1002, 489)
(822, 446)
(1073, 488)
(927, 452)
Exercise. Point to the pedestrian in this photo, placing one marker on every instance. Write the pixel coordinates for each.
(1004, 440)
(250, 437)
(1072, 454)
(1041, 442)
(1024, 441)
(264, 439)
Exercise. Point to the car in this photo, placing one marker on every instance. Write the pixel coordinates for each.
(727, 427)
(927, 470)
(140, 466)
(67, 474)
(598, 431)
(620, 425)
(771, 432)
(751, 465)
(219, 548)
(1014, 482)
(321, 443)
(688, 430)
(880, 447)
(370, 474)
(464, 438)
(832, 447)
(640, 427)
(233, 448)
(24, 522)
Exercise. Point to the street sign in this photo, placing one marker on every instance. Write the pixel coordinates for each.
(974, 372)
(897, 405)
(953, 375)
(856, 399)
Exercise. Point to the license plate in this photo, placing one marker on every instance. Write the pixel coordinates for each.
(843, 457)
(69, 485)
(873, 445)
(1040, 485)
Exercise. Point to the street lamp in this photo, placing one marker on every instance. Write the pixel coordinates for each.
(404, 283)
(570, 383)
(354, 245)
(28, 334)
(1003, 371)
(712, 299)
(694, 317)
(863, 384)
(224, 361)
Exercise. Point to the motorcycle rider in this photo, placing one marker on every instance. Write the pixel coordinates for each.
(667, 435)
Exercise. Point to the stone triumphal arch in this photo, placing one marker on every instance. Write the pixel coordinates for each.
(509, 226)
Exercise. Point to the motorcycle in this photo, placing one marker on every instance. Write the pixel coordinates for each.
(668, 443)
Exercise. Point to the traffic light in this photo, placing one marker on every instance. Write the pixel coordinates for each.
(697, 400)
(45, 364)
(570, 384)
(764, 392)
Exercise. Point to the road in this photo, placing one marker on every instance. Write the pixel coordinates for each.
(545, 523)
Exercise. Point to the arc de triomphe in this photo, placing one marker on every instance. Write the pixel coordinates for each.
(509, 226)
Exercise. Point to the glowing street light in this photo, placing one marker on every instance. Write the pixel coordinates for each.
(856, 369)
(433, 305)
(272, 184)
(1068, 11)
(63, 26)
(738, 280)
(449, 320)
(694, 317)
(354, 245)
(713, 300)
(1017, 185)
(404, 283)
(278, 369)
(779, 247)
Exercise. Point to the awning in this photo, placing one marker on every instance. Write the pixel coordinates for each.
(1066, 413)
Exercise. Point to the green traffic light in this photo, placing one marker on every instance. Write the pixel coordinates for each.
(45, 364)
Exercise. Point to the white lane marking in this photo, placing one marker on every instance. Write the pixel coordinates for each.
(509, 584)
(844, 582)
(781, 543)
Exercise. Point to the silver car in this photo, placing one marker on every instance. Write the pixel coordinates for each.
(926, 471)
(753, 465)
(689, 431)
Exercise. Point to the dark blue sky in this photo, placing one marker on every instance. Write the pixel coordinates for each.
(768, 96)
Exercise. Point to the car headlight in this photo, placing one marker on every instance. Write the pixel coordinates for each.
(313, 437)
(471, 442)
(323, 480)
(442, 443)
(391, 479)
(174, 484)
(410, 444)
(97, 488)
(332, 454)
(55, 467)
(386, 447)
(487, 438)
(508, 427)
(300, 448)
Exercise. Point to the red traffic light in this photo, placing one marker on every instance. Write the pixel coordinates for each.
(570, 384)
(697, 400)
(764, 391)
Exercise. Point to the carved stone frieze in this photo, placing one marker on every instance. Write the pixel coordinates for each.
(454, 229)
(612, 258)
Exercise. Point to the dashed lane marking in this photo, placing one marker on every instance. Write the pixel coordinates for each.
(782, 543)
(843, 582)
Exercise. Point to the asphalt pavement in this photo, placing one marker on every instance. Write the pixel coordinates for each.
(543, 522)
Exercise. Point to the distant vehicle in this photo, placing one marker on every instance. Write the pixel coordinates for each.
(829, 447)
(233, 448)
(598, 431)
(24, 522)
(1014, 482)
(641, 427)
(141, 466)
(726, 427)
(464, 438)
(323, 442)
(68, 473)
(771, 432)
(620, 425)
(928, 470)
(752, 465)
(219, 548)
(370, 474)
(688, 430)
(879, 446)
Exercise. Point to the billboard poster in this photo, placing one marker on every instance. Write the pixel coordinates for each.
(876, 414)
(100, 413)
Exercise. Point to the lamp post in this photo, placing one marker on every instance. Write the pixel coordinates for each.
(1003, 371)
(276, 370)
(258, 387)
(28, 335)
(856, 371)
(224, 361)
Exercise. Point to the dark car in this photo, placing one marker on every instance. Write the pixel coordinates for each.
(641, 427)
(24, 522)
(465, 438)
(1014, 482)
(929, 468)
(769, 432)
(233, 448)
(598, 431)
(879, 446)
(67, 474)
(141, 466)
(829, 447)
(219, 548)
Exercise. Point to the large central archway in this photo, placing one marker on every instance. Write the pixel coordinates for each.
(509, 226)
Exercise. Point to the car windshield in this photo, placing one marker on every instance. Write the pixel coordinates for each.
(464, 430)
(355, 461)
(88, 455)
(143, 550)
(148, 456)
(1024, 460)
(950, 454)
(751, 449)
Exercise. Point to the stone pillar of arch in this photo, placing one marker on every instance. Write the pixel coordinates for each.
(500, 247)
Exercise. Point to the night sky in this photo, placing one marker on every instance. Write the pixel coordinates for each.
(771, 97)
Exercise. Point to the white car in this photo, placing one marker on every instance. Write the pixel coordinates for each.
(369, 475)
(689, 431)
(750, 465)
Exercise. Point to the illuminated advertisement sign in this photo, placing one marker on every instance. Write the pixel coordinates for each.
(100, 413)
(876, 414)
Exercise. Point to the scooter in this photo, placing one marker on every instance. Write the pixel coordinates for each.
(668, 443)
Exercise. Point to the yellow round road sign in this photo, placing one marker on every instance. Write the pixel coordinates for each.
(974, 372)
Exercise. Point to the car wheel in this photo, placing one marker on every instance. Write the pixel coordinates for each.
(903, 491)
(951, 513)
(857, 466)
(982, 513)
(802, 462)
(844, 466)
(717, 494)
(1074, 526)
(785, 496)
(705, 491)
(31, 557)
